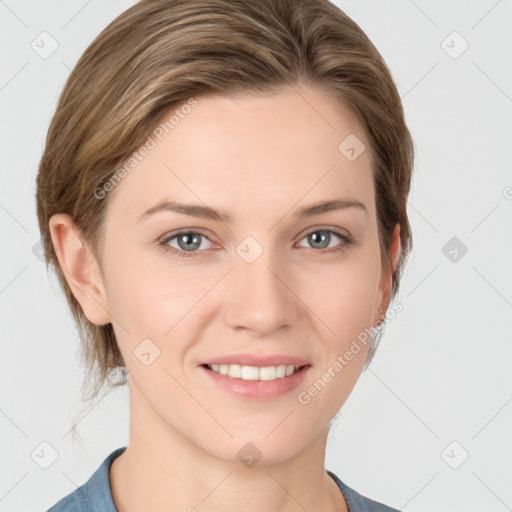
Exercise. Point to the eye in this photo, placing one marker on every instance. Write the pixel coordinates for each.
(190, 243)
(187, 242)
(322, 238)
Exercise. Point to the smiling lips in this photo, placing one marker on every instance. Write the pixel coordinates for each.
(264, 382)
(255, 366)
(254, 372)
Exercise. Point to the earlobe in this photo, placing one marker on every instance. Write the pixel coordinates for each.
(387, 273)
(396, 247)
(80, 268)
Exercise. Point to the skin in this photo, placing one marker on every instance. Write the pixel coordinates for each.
(260, 158)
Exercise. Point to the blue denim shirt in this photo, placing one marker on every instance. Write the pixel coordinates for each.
(95, 494)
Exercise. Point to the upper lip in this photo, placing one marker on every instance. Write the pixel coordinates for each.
(260, 360)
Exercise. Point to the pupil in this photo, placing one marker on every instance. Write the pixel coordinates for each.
(315, 237)
(190, 240)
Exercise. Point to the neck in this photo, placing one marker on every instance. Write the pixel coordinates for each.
(163, 469)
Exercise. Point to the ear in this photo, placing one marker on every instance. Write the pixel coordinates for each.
(80, 268)
(387, 273)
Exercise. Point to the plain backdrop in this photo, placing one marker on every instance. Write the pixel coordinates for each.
(428, 426)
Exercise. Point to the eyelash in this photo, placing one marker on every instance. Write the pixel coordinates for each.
(346, 241)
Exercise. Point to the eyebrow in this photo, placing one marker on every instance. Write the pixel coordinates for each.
(206, 212)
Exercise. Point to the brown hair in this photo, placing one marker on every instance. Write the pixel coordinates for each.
(160, 53)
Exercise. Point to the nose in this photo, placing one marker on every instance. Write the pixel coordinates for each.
(262, 296)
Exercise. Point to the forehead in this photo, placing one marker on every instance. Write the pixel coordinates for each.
(251, 151)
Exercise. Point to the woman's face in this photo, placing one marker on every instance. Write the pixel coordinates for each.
(272, 280)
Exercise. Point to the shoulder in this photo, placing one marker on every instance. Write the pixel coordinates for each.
(77, 501)
(93, 495)
(358, 503)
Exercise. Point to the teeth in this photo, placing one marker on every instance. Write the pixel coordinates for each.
(254, 372)
(235, 370)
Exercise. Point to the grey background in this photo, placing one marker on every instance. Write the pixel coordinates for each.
(443, 370)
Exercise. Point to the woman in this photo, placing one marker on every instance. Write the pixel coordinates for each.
(223, 197)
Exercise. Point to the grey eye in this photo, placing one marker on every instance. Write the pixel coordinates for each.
(321, 238)
(189, 241)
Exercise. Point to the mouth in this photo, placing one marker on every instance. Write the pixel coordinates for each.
(255, 382)
(263, 373)
(253, 376)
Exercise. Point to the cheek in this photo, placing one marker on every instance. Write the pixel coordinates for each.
(343, 296)
(138, 294)
(343, 300)
(152, 295)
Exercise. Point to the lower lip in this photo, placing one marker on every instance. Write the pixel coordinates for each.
(258, 389)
